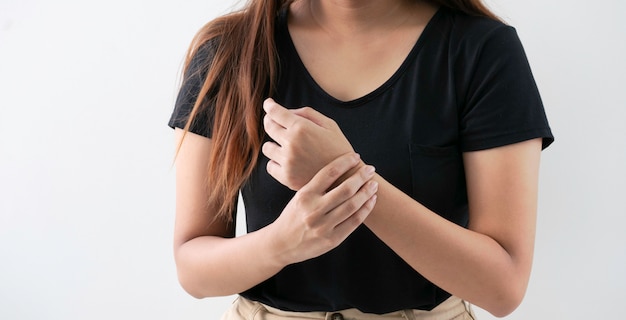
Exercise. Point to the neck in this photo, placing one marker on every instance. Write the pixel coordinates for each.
(351, 17)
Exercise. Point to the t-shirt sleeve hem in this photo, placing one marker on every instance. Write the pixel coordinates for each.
(175, 124)
(507, 139)
(181, 123)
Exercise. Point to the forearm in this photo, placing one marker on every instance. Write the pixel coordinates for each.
(212, 263)
(465, 263)
(214, 266)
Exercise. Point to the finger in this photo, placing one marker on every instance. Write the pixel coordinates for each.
(353, 221)
(274, 130)
(324, 178)
(279, 114)
(274, 169)
(354, 203)
(351, 213)
(357, 182)
(312, 115)
(272, 151)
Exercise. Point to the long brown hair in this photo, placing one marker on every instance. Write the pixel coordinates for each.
(241, 74)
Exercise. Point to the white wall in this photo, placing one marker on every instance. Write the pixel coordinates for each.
(86, 184)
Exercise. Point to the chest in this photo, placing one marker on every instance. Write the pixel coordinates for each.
(348, 70)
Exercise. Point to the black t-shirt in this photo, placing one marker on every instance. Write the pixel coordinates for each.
(466, 85)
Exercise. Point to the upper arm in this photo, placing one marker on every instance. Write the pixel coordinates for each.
(194, 217)
(502, 188)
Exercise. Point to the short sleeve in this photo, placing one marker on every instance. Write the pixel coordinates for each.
(193, 80)
(501, 103)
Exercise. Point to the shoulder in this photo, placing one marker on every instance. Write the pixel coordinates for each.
(201, 55)
(208, 41)
(471, 33)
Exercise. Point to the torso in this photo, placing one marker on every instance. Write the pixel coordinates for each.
(413, 126)
(411, 121)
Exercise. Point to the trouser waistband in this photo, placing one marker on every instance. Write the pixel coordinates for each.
(244, 309)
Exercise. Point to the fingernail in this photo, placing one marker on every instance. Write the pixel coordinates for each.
(373, 186)
(356, 156)
(370, 169)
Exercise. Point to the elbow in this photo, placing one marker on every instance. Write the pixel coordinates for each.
(190, 286)
(194, 294)
(191, 280)
(185, 275)
(503, 310)
(188, 276)
(507, 290)
(507, 301)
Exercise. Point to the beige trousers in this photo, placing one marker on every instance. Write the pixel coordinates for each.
(451, 309)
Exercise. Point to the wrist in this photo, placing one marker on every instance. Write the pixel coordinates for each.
(278, 246)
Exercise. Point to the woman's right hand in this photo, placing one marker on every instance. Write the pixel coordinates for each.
(318, 219)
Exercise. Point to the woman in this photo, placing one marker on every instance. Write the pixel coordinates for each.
(437, 208)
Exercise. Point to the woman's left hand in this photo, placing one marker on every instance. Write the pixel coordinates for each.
(305, 141)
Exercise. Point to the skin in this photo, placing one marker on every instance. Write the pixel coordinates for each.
(345, 45)
(210, 262)
(487, 264)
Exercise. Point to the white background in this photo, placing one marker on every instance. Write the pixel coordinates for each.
(86, 183)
